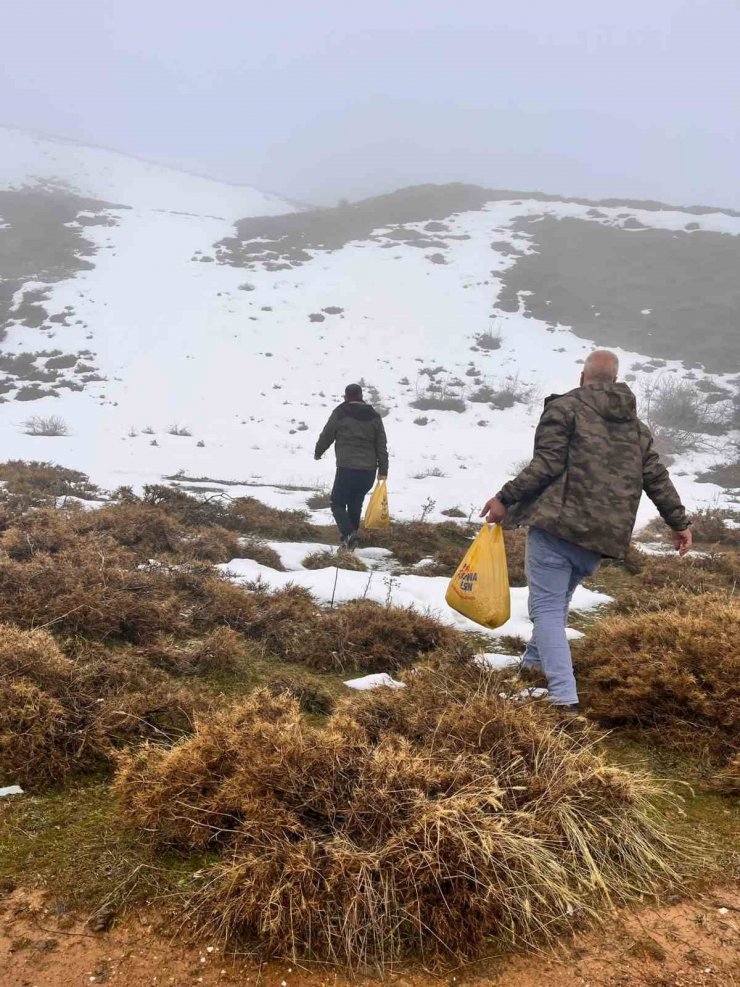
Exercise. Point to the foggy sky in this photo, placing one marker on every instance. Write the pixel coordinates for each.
(321, 100)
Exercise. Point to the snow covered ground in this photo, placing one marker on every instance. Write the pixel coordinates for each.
(27, 158)
(424, 593)
(232, 355)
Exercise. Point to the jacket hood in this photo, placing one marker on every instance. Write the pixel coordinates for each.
(358, 410)
(614, 402)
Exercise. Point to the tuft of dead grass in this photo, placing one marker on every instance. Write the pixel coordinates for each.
(677, 671)
(309, 690)
(330, 560)
(727, 781)
(63, 715)
(412, 541)
(428, 821)
(253, 517)
(35, 484)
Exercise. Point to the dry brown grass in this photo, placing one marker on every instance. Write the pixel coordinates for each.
(146, 531)
(431, 821)
(29, 485)
(330, 560)
(61, 715)
(412, 541)
(253, 548)
(357, 636)
(311, 691)
(708, 527)
(219, 650)
(91, 589)
(664, 582)
(727, 781)
(677, 671)
(255, 518)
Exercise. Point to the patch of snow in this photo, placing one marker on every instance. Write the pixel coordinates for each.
(27, 158)
(423, 593)
(293, 553)
(496, 662)
(11, 790)
(374, 682)
(530, 693)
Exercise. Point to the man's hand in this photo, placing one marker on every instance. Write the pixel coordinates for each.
(682, 541)
(382, 479)
(494, 511)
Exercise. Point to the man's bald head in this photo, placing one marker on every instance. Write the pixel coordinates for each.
(601, 367)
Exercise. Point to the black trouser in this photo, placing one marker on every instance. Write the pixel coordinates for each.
(348, 493)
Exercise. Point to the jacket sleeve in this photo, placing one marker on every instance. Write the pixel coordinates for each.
(550, 456)
(327, 436)
(658, 486)
(381, 448)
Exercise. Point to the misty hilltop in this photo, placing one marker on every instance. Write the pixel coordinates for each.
(186, 328)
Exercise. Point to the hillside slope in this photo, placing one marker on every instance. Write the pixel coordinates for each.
(28, 159)
(461, 308)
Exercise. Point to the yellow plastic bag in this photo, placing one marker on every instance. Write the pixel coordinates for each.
(376, 515)
(480, 588)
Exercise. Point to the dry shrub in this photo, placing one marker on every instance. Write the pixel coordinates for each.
(36, 656)
(88, 576)
(164, 714)
(253, 517)
(40, 742)
(727, 781)
(360, 635)
(310, 691)
(148, 530)
(220, 650)
(252, 548)
(708, 526)
(365, 636)
(431, 820)
(677, 671)
(61, 715)
(330, 560)
(36, 484)
(211, 545)
(152, 530)
(89, 589)
(412, 541)
(42, 736)
(515, 540)
(45, 530)
(665, 581)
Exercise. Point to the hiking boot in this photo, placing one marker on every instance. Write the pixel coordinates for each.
(351, 541)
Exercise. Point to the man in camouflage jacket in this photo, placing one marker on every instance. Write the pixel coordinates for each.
(579, 496)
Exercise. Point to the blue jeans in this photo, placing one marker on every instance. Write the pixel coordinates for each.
(554, 568)
(350, 489)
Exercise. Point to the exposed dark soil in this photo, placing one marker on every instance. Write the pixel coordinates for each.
(599, 279)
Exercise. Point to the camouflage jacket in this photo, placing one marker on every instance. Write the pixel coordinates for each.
(357, 431)
(593, 457)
